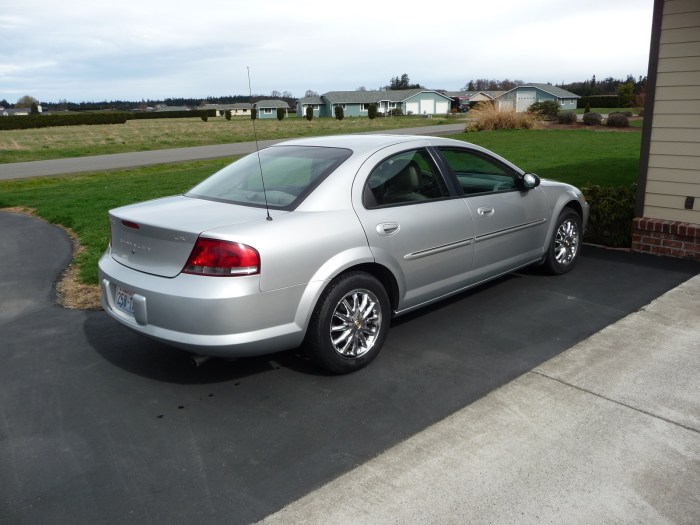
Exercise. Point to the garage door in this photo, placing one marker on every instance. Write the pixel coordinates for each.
(427, 107)
(525, 100)
(442, 107)
(412, 108)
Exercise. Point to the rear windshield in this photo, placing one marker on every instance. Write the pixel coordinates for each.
(289, 173)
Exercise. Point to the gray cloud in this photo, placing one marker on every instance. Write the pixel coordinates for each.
(134, 50)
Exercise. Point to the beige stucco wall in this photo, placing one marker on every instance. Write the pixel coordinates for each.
(674, 154)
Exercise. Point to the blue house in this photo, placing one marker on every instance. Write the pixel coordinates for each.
(268, 108)
(356, 103)
(522, 97)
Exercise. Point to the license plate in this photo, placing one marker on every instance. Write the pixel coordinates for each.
(124, 301)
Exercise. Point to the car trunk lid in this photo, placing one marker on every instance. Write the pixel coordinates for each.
(157, 237)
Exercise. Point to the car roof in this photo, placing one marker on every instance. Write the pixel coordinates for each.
(360, 142)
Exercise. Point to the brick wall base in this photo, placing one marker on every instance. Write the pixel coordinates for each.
(676, 239)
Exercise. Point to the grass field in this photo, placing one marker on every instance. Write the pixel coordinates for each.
(145, 135)
(81, 202)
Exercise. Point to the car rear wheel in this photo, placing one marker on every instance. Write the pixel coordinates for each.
(350, 323)
(565, 245)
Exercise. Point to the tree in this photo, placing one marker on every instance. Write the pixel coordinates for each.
(372, 111)
(275, 94)
(280, 113)
(361, 88)
(310, 93)
(309, 115)
(626, 94)
(254, 113)
(402, 83)
(35, 109)
(26, 102)
(339, 113)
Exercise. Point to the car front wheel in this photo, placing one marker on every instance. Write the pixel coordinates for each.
(350, 323)
(565, 245)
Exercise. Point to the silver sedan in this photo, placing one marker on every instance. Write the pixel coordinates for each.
(320, 242)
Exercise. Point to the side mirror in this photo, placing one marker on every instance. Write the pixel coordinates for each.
(530, 181)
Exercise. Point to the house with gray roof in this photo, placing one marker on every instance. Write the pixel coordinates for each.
(317, 104)
(268, 108)
(356, 103)
(237, 109)
(463, 100)
(522, 97)
(166, 109)
(9, 112)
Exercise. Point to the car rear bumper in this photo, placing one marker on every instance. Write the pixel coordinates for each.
(218, 316)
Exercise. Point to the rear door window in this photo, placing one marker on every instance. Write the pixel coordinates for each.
(409, 177)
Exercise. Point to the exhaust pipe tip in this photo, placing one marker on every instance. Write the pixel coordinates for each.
(199, 360)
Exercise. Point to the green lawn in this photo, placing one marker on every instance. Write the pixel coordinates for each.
(607, 158)
(81, 202)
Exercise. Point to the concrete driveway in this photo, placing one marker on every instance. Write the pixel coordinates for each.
(98, 425)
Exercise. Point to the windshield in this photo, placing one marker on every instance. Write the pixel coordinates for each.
(290, 173)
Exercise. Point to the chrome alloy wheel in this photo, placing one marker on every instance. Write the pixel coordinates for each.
(566, 242)
(355, 323)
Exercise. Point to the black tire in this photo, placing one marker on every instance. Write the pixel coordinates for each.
(565, 246)
(355, 306)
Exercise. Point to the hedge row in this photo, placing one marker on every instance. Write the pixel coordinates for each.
(87, 119)
(70, 119)
(599, 101)
(173, 114)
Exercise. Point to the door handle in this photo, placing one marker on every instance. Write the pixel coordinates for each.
(387, 228)
(486, 211)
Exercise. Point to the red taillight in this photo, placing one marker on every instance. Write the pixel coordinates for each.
(222, 259)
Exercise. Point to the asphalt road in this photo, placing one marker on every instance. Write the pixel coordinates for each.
(98, 425)
(43, 168)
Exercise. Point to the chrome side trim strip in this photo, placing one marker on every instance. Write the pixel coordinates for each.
(499, 233)
(438, 249)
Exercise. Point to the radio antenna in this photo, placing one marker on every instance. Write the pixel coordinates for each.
(257, 148)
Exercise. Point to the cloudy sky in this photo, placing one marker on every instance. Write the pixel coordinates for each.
(155, 49)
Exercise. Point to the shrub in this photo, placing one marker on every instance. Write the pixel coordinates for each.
(227, 114)
(592, 118)
(627, 114)
(396, 112)
(280, 113)
(641, 112)
(611, 214)
(253, 114)
(618, 120)
(339, 112)
(205, 118)
(588, 108)
(309, 114)
(488, 117)
(547, 110)
(372, 111)
(567, 117)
